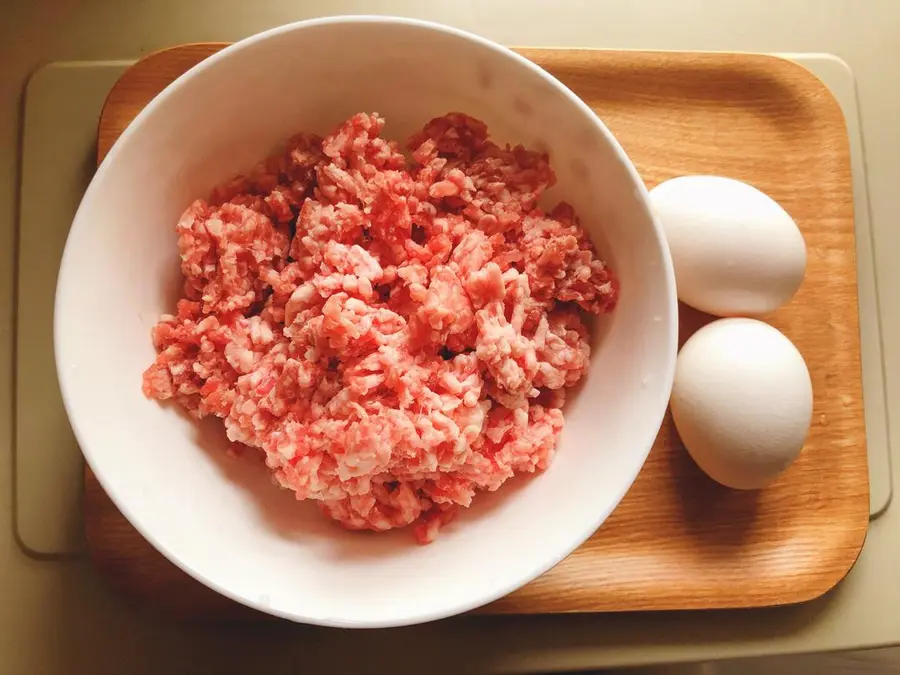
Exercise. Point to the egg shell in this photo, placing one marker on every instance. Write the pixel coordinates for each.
(736, 251)
(742, 401)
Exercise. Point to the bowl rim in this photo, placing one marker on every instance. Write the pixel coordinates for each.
(427, 614)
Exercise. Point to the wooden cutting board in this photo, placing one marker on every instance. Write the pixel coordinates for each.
(677, 541)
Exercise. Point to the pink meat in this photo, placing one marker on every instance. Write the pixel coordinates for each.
(392, 336)
(227, 252)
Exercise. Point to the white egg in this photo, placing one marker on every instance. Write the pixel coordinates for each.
(736, 252)
(742, 401)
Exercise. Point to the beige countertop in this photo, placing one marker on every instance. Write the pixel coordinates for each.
(58, 618)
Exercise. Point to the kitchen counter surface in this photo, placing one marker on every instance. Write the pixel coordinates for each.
(58, 617)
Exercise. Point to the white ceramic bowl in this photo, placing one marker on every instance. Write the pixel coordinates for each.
(221, 519)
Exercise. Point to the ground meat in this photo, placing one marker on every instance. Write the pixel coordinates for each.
(393, 336)
(227, 252)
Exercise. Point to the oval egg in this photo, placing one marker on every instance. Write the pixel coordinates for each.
(742, 401)
(736, 252)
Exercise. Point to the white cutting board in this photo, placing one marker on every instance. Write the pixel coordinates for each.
(62, 106)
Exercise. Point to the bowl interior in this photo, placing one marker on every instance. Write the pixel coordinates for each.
(220, 518)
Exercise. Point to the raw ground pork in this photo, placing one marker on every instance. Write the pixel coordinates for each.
(395, 335)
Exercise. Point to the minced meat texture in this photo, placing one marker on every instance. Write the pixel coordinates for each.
(394, 335)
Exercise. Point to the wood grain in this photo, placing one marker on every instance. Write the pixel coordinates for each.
(677, 541)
